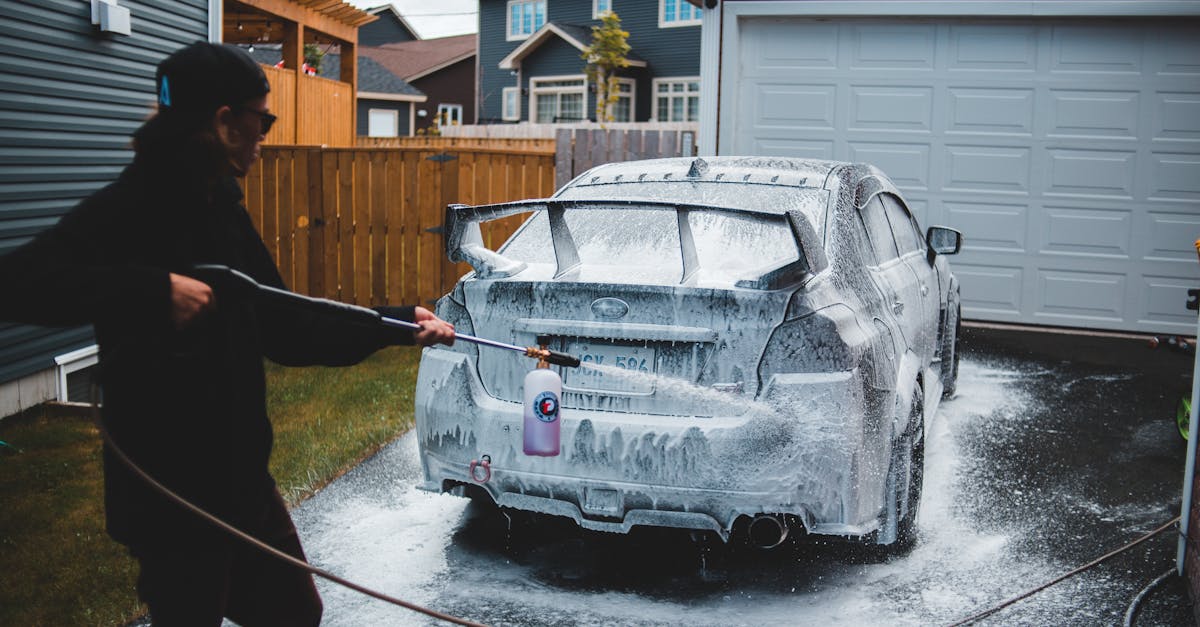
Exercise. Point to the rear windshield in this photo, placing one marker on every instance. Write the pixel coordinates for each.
(730, 246)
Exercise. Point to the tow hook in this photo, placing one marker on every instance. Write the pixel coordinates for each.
(481, 469)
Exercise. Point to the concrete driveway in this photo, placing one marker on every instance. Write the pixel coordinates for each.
(1056, 449)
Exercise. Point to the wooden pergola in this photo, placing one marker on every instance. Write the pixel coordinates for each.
(294, 23)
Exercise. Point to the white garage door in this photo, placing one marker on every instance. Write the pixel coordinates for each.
(1066, 150)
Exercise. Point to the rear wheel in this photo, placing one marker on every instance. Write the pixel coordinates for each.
(906, 478)
(949, 374)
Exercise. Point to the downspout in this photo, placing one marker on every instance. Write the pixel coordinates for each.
(215, 19)
(1189, 472)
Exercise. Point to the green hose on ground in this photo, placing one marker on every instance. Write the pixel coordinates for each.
(1183, 415)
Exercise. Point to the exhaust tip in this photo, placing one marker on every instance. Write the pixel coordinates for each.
(767, 531)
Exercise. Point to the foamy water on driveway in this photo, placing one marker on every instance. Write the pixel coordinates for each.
(983, 537)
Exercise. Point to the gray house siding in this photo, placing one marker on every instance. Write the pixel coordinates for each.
(385, 30)
(667, 51)
(70, 97)
(493, 48)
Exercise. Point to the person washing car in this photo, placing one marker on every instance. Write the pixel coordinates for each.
(181, 365)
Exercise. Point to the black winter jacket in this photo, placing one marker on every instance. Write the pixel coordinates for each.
(188, 406)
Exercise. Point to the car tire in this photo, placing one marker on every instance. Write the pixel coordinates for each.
(949, 352)
(912, 444)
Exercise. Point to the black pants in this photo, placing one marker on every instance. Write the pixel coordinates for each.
(189, 583)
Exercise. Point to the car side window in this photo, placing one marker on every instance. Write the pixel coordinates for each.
(904, 228)
(878, 231)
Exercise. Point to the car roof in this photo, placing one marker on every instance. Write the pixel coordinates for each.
(759, 170)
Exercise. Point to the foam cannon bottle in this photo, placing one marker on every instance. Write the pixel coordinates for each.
(543, 391)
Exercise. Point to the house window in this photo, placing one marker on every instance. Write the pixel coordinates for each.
(557, 99)
(622, 109)
(383, 123)
(525, 17)
(677, 13)
(449, 115)
(600, 7)
(677, 100)
(511, 105)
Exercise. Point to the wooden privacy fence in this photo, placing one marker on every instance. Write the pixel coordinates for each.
(580, 149)
(363, 225)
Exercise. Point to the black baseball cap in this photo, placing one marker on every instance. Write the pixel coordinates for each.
(201, 77)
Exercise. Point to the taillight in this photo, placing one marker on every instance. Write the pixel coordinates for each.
(827, 340)
(452, 309)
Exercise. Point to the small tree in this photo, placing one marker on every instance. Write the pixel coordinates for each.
(313, 55)
(604, 58)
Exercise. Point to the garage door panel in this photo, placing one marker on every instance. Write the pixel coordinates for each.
(989, 290)
(790, 45)
(892, 46)
(1100, 173)
(1091, 295)
(987, 168)
(1175, 176)
(1089, 232)
(1096, 114)
(1165, 299)
(1176, 53)
(1009, 48)
(988, 226)
(1178, 116)
(891, 108)
(795, 106)
(906, 164)
(1171, 236)
(990, 111)
(1096, 50)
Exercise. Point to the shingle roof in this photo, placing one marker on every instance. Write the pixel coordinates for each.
(372, 76)
(411, 60)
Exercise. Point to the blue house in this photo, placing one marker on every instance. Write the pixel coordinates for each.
(530, 68)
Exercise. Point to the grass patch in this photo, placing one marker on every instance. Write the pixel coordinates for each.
(57, 564)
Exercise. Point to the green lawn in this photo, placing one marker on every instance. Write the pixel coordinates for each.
(58, 567)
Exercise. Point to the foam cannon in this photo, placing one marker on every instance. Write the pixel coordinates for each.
(231, 281)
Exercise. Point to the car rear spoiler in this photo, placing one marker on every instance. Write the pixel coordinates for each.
(464, 240)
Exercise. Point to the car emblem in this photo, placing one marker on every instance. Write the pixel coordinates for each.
(611, 308)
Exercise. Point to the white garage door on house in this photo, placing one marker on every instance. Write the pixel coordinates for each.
(1066, 149)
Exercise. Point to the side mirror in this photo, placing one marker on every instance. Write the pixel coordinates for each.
(943, 240)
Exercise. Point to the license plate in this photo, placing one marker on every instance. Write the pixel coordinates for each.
(602, 501)
(627, 369)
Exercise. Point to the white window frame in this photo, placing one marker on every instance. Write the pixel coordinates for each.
(632, 99)
(395, 121)
(663, 22)
(670, 95)
(512, 113)
(598, 12)
(535, 91)
(508, 25)
(455, 117)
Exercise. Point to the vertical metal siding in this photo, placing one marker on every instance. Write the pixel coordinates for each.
(69, 98)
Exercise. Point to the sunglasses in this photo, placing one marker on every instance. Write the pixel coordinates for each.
(267, 119)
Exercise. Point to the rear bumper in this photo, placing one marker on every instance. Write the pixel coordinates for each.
(620, 470)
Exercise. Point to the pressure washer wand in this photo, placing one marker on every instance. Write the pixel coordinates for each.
(226, 278)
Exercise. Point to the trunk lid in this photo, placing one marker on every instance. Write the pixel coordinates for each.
(661, 349)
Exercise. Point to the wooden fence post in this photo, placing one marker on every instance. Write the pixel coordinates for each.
(562, 158)
(448, 270)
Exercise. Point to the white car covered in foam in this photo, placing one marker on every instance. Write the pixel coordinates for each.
(770, 339)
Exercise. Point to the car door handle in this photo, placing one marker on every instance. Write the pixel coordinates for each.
(897, 307)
